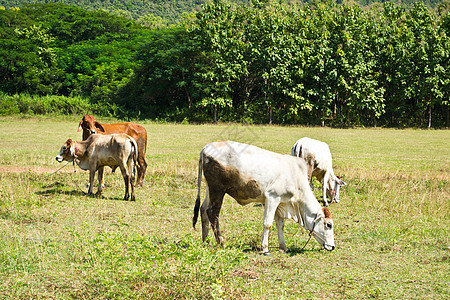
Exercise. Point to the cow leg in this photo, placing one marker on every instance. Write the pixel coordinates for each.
(100, 181)
(204, 216)
(141, 163)
(132, 177)
(142, 167)
(126, 179)
(270, 208)
(215, 204)
(91, 181)
(138, 171)
(279, 222)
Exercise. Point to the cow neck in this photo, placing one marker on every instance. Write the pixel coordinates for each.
(310, 214)
(79, 149)
(330, 183)
(75, 149)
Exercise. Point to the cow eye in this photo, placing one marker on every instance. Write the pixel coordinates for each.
(329, 225)
(64, 148)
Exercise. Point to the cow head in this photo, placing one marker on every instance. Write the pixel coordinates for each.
(67, 151)
(89, 126)
(333, 188)
(323, 229)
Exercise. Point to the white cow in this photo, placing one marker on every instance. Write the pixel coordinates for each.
(98, 151)
(317, 156)
(251, 174)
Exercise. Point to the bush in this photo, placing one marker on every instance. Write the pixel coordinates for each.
(45, 105)
(8, 105)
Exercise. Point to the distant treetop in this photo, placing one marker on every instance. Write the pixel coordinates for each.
(171, 11)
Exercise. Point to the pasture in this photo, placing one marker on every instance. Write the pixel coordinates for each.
(391, 226)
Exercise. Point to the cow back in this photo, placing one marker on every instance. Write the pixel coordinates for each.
(107, 149)
(266, 168)
(134, 130)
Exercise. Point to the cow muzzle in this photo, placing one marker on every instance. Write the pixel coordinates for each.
(59, 158)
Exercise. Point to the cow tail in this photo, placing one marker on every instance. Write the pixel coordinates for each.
(134, 155)
(199, 184)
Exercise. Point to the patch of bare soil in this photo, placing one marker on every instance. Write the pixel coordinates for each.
(39, 170)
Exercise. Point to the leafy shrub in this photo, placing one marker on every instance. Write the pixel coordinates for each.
(7, 105)
(45, 105)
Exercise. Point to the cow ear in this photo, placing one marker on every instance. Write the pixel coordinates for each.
(340, 181)
(79, 125)
(99, 126)
(326, 212)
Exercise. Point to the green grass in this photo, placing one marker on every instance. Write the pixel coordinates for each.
(391, 226)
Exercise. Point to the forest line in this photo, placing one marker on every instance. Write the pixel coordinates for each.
(265, 62)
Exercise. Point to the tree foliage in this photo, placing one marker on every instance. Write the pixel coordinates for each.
(163, 12)
(261, 62)
(148, 12)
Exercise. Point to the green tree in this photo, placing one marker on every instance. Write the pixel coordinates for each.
(28, 61)
(430, 59)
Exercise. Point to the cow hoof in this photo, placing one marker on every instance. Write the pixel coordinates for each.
(221, 241)
(133, 198)
(267, 254)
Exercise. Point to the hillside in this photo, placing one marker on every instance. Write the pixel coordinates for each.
(166, 11)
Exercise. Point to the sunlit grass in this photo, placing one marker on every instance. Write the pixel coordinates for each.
(391, 226)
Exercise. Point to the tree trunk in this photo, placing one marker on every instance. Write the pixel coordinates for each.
(429, 117)
(186, 91)
(348, 118)
(215, 113)
(270, 115)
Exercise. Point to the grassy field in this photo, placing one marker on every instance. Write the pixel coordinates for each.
(391, 226)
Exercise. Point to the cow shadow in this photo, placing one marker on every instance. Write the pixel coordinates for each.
(56, 188)
(292, 251)
(118, 198)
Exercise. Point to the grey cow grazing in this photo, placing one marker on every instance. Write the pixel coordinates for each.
(317, 156)
(251, 174)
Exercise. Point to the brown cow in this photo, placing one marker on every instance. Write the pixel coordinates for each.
(98, 151)
(90, 126)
